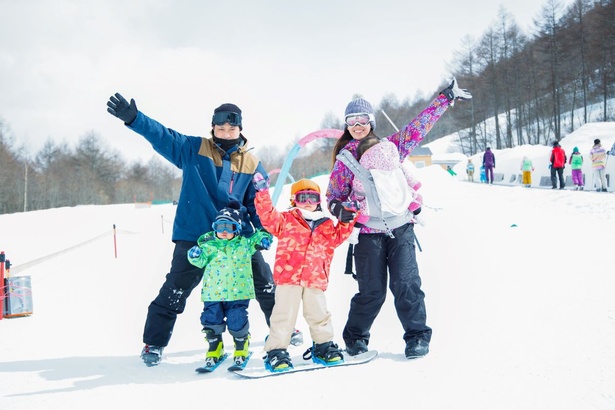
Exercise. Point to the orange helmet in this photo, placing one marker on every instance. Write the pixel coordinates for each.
(302, 185)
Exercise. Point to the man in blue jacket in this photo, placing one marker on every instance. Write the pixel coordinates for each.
(214, 171)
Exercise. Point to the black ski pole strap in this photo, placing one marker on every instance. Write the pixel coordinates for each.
(348, 270)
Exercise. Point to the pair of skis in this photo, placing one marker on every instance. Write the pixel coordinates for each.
(238, 364)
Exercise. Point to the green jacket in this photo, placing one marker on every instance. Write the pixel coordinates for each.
(526, 165)
(576, 160)
(228, 266)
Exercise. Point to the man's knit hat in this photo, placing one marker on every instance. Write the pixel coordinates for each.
(228, 111)
(360, 106)
(596, 141)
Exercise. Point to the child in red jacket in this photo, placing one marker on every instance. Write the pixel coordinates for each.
(307, 239)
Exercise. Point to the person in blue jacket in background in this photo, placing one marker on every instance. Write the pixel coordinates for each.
(215, 170)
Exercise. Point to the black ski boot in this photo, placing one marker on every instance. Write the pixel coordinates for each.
(216, 347)
(327, 353)
(151, 355)
(356, 347)
(416, 348)
(278, 360)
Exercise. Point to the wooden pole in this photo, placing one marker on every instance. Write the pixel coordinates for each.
(114, 242)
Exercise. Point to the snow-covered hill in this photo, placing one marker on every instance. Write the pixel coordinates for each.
(519, 291)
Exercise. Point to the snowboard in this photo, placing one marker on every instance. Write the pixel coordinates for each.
(257, 370)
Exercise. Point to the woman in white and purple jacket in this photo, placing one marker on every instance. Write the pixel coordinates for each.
(378, 255)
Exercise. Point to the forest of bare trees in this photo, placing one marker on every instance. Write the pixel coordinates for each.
(524, 85)
(528, 88)
(90, 173)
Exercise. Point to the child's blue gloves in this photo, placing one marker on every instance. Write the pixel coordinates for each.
(264, 245)
(194, 252)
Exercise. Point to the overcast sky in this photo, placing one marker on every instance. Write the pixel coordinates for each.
(285, 63)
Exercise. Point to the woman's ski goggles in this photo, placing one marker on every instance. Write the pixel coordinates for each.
(226, 226)
(307, 197)
(359, 118)
(222, 117)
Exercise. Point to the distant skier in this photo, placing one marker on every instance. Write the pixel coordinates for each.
(470, 170)
(598, 157)
(526, 168)
(558, 162)
(483, 174)
(576, 163)
(489, 164)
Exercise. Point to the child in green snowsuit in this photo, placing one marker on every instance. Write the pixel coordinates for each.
(228, 285)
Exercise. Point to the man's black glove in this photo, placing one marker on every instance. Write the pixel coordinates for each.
(119, 107)
(453, 92)
(342, 214)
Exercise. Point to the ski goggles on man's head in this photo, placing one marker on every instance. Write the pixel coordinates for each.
(222, 117)
(361, 118)
(225, 226)
(307, 197)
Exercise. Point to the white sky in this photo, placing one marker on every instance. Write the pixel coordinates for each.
(286, 64)
(518, 283)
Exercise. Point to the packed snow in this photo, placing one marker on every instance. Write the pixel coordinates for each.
(519, 289)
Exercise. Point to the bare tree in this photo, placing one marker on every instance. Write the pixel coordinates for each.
(576, 39)
(488, 56)
(10, 167)
(464, 63)
(603, 43)
(549, 43)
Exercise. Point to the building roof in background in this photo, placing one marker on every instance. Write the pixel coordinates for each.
(420, 151)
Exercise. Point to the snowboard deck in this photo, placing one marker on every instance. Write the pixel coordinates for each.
(256, 369)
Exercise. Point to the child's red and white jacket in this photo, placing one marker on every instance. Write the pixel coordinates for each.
(304, 248)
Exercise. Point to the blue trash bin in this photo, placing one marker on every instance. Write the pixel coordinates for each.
(18, 301)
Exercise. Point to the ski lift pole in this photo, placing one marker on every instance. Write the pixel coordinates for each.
(391, 121)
